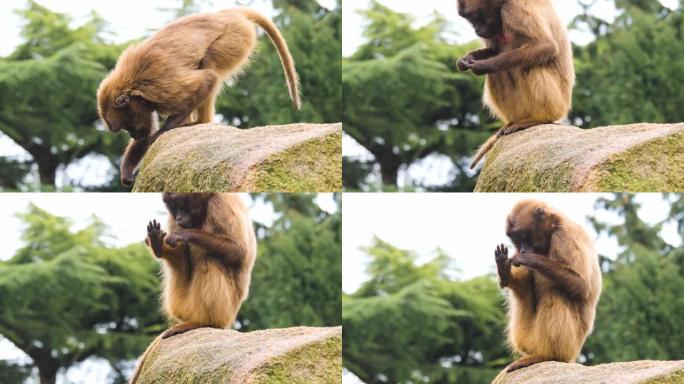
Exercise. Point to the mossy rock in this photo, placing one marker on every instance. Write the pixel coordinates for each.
(553, 158)
(218, 158)
(274, 356)
(633, 372)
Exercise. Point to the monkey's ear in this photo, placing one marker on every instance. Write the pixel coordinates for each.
(539, 211)
(122, 101)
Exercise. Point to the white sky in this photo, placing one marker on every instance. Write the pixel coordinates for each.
(126, 216)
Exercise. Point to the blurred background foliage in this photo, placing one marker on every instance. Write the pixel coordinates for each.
(66, 297)
(417, 323)
(48, 86)
(631, 72)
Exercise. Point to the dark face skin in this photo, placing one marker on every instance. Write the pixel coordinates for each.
(188, 209)
(483, 15)
(134, 114)
(531, 231)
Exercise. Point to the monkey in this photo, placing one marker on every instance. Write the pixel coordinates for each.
(554, 280)
(528, 62)
(207, 255)
(177, 74)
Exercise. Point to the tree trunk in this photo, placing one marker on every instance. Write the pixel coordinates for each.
(47, 370)
(47, 169)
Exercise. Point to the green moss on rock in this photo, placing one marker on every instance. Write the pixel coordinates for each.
(289, 355)
(215, 158)
(552, 158)
(633, 372)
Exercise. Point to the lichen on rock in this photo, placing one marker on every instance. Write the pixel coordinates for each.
(553, 158)
(217, 158)
(275, 356)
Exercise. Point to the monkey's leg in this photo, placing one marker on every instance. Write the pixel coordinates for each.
(562, 276)
(181, 328)
(519, 126)
(204, 85)
(525, 362)
(132, 156)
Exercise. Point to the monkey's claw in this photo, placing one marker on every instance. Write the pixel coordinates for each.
(155, 237)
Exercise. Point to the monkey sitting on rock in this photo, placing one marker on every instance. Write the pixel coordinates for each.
(554, 280)
(527, 59)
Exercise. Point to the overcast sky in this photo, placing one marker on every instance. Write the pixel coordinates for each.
(126, 217)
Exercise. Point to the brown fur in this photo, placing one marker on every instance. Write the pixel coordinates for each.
(177, 73)
(208, 256)
(527, 59)
(555, 283)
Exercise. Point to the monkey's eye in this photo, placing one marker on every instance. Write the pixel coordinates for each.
(121, 101)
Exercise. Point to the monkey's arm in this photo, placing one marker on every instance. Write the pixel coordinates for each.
(565, 278)
(231, 251)
(529, 55)
(134, 153)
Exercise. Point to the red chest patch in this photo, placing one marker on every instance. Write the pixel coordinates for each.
(505, 38)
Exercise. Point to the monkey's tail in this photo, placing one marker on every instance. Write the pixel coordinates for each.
(283, 51)
(149, 349)
(483, 150)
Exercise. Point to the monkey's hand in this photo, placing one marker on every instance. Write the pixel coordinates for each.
(525, 259)
(174, 239)
(155, 237)
(464, 63)
(502, 265)
(481, 67)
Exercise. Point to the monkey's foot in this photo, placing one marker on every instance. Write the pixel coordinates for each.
(181, 328)
(525, 362)
(516, 127)
(502, 265)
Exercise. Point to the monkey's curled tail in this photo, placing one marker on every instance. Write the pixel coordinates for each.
(283, 51)
(483, 150)
(149, 349)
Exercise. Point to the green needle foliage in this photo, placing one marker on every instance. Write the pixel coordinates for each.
(66, 297)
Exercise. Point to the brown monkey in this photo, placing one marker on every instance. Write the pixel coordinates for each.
(527, 59)
(178, 72)
(555, 281)
(208, 256)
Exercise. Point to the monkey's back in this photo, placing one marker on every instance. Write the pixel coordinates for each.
(540, 93)
(213, 294)
(163, 65)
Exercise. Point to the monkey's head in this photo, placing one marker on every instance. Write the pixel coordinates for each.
(530, 226)
(483, 15)
(125, 109)
(189, 210)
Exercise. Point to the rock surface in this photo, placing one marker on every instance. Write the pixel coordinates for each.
(634, 372)
(553, 158)
(219, 158)
(289, 355)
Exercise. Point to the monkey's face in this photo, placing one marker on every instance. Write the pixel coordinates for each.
(189, 210)
(483, 15)
(123, 111)
(530, 229)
